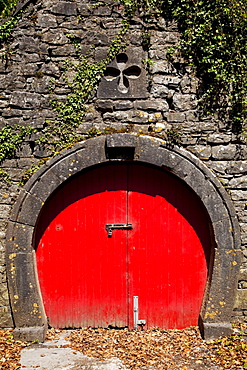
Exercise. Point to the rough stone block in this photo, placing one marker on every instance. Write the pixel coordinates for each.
(50, 69)
(241, 299)
(159, 91)
(212, 331)
(26, 301)
(30, 334)
(4, 211)
(219, 167)
(123, 105)
(25, 100)
(11, 112)
(237, 167)
(155, 105)
(43, 188)
(224, 152)
(102, 11)
(136, 38)
(224, 232)
(22, 233)
(238, 182)
(118, 116)
(6, 317)
(30, 209)
(30, 69)
(84, 128)
(125, 140)
(185, 85)
(175, 117)
(4, 296)
(29, 44)
(172, 82)
(63, 51)
(217, 138)
(163, 38)
(184, 102)
(105, 105)
(54, 37)
(162, 67)
(27, 163)
(201, 151)
(24, 151)
(46, 21)
(64, 8)
(96, 38)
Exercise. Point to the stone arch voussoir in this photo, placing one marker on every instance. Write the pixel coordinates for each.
(26, 301)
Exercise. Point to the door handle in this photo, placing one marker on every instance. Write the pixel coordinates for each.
(110, 227)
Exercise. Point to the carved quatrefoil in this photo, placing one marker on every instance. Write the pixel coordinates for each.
(123, 78)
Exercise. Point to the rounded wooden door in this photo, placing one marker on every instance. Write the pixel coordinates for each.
(89, 274)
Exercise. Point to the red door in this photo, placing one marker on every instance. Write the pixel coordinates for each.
(89, 277)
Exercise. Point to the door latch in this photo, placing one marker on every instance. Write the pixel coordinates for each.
(111, 227)
(137, 321)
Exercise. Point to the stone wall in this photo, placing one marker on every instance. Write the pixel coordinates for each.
(156, 97)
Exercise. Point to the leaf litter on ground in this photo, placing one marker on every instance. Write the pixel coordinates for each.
(144, 350)
(164, 349)
(10, 350)
(147, 349)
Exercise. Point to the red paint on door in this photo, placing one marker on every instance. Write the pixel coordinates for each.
(167, 264)
(89, 279)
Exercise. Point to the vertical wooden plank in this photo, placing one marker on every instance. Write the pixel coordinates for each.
(167, 261)
(82, 272)
(84, 275)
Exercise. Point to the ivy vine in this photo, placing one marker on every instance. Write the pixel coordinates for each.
(60, 133)
(7, 6)
(213, 41)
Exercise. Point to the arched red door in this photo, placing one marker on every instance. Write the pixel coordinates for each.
(157, 249)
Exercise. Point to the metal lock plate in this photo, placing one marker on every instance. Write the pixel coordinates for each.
(111, 227)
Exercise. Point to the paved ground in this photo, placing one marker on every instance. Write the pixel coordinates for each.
(151, 349)
(53, 354)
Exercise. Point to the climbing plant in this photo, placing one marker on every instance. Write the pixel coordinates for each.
(60, 133)
(6, 6)
(212, 40)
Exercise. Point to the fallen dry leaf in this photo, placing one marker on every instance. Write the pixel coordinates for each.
(148, 349)
(10, 351)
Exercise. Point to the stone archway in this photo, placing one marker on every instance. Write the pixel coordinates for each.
(26, 301)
